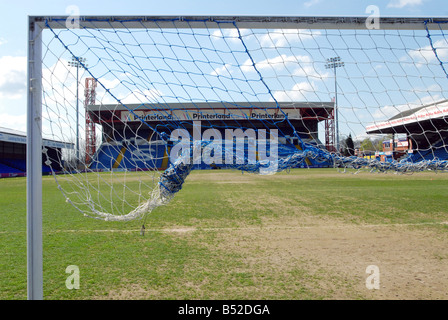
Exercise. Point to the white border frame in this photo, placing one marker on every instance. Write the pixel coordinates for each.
(34, 108)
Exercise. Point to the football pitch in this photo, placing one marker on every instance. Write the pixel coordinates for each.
(304, 234)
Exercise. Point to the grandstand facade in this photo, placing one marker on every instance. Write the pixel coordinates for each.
(423, 130)
(129, 141)
(13, 153)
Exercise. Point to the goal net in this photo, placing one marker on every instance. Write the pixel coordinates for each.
(140, 102)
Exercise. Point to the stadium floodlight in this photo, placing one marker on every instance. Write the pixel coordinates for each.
(177, 93)
(333, 63)
(77, 62)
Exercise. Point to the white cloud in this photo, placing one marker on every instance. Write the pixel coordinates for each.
(104, 97)
(137, 97)
(270, 39)
(230, 34)
(16, 122)
(311, 3)
(389, 111)
(282, 38)
(426, 54)
(12, 77)
(298, 92)
(225, 70)
(276, 63)
(295, 65)
(280, 62)
(247, 66)
(3, 41)
(217, 34)
(404, 3)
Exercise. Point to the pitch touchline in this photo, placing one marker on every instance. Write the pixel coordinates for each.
(186, 230)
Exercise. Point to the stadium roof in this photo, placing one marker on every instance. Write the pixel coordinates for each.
(218, 111)
(15, 136)
(420, 118)
(210, 105)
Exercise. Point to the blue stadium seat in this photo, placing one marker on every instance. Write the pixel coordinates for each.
(105, 156)
(6, 169)
(19, 164)
(435, 151)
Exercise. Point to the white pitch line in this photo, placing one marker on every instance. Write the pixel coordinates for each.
(191, 229)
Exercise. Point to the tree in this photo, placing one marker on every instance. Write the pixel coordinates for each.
(367, 145)
(349, 146)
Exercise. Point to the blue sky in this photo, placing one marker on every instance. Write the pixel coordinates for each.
(13, 27)
(14, 13)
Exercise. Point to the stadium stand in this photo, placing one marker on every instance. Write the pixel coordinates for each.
(4, 169)
(426, 131)
(13, 153)
(127, 145)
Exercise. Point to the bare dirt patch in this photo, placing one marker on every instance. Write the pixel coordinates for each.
(179, 230)
(412, 260)
(218, 176)
(129, 292)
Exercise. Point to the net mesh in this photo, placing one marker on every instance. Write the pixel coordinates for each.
(162, 101)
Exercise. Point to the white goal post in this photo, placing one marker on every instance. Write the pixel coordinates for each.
(38, 25)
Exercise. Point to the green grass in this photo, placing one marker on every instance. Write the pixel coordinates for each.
(196, 265)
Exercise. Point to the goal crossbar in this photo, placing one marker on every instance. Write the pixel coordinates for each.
(249, 22)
